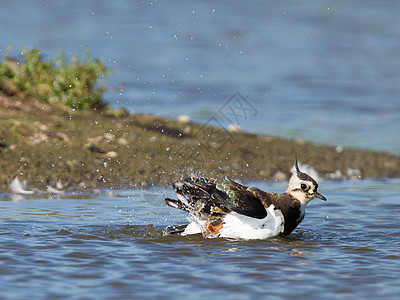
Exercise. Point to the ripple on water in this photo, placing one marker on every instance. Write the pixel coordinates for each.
(335, 251)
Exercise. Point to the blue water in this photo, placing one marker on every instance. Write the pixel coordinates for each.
(112, 245)
(325, 71)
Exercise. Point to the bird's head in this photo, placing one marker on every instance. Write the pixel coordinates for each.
(303, 187)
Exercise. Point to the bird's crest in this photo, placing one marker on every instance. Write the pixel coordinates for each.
(297, 166)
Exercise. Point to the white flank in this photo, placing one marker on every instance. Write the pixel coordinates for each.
(243, 227)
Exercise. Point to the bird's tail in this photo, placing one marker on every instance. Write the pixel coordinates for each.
(198, 196)
(175, 229)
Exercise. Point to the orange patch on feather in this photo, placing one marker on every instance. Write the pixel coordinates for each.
(213, 228)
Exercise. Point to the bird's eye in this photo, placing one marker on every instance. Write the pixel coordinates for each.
(303, 186)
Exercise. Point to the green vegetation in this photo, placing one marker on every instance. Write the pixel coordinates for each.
(58, 81)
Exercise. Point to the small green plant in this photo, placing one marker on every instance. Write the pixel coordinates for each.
(73, 83)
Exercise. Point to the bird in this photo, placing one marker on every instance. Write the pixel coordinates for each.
(228, 209)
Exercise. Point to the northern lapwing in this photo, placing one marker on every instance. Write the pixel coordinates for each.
(229, 209)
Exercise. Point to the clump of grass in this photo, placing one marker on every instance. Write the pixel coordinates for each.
(73, 83)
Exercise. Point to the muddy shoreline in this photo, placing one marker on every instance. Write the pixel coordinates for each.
(46, 144)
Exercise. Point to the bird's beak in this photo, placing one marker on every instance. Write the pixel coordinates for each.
(318, 195)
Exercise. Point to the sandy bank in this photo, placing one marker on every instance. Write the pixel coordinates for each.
(46, 144)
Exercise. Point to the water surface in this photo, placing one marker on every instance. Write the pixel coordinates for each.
(113, 246)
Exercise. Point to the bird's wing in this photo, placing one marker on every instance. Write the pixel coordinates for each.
(206, 197)
(198, 196)
(243, 200)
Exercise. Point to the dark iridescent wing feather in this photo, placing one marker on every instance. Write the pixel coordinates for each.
(242, 200)
(206, 197)
(199, 196)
